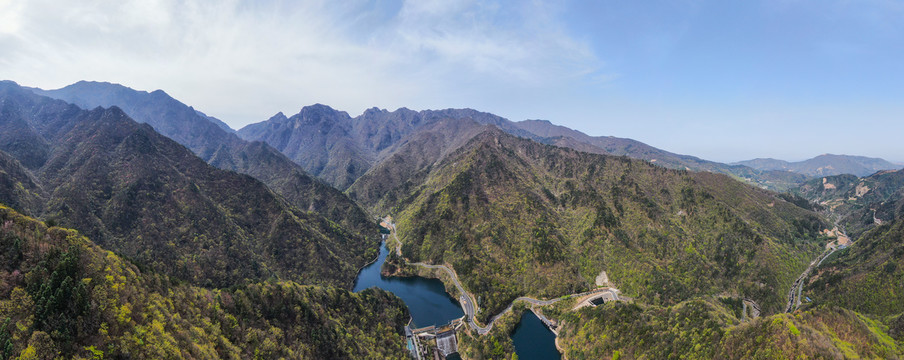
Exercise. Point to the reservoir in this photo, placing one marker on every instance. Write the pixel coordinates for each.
(533, 340)
(427, 299)
(429, 304)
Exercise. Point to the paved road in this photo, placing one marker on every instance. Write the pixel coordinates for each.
(469, 306)
(798, 286)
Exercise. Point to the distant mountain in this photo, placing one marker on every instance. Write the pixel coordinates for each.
(397, 177)
(825, 165)
(562, 136)
(214, 142)
(514, 217)
(144, 196)
(338, 148)
(62, 296)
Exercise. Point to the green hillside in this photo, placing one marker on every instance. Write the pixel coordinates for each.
(63, 296)
(868, 276)
(703, 329)
(397, 176)
(514, 217)
(215, 143)
(147, 198)
(18, 187)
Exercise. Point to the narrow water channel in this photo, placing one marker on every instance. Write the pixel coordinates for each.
(533, 340)
(427, 299)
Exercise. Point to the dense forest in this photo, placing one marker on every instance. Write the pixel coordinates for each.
(148, 198)
(216, 143)
(706, 329)
(217, 247)
(867, 277)
(63, 296)
(514, 217)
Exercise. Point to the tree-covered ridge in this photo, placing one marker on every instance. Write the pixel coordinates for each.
(215, 143)
(705, 329)
(868, 276)
(146, 197)
(826, 165)
(514, 217)
(61, 295)
(558, 135)
(18, 187)
(399, 174)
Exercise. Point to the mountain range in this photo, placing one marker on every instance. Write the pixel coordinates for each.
(858, 204)
(144, 196)
(825, 165)
(209, 242)
(515, 217)
(216, 143)
(340, 149)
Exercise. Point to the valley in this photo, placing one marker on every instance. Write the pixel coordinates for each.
(463, 180)
(505, 234)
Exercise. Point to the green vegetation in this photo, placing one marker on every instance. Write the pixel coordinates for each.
(514, 217)
(497, 344)
(17, 187)
(704, 329)
(868, 276)
(149, 199)
(63, 296)
(208, 138)
(690, 329)
(859, 202)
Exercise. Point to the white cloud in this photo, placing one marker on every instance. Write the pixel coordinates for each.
(10, 12)
(244, 60)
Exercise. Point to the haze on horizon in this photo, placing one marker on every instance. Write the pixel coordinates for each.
(724, 81)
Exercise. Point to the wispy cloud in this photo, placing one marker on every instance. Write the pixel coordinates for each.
(243, 60)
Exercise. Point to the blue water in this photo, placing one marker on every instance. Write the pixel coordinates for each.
(533, 340)
(429, 304)
(427, 299)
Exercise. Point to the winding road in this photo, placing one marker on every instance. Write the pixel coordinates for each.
(798, 286)
(470, 306)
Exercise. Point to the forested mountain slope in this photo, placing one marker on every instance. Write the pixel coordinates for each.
(397, 176)
(144, 196)
(515, 217)
(868, 276)
(705, 329)
(215, 143)
(339, 148)
(62, 296)
(18, 187)
(859, 203)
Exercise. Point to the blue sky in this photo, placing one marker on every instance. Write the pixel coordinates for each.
(723, 80)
